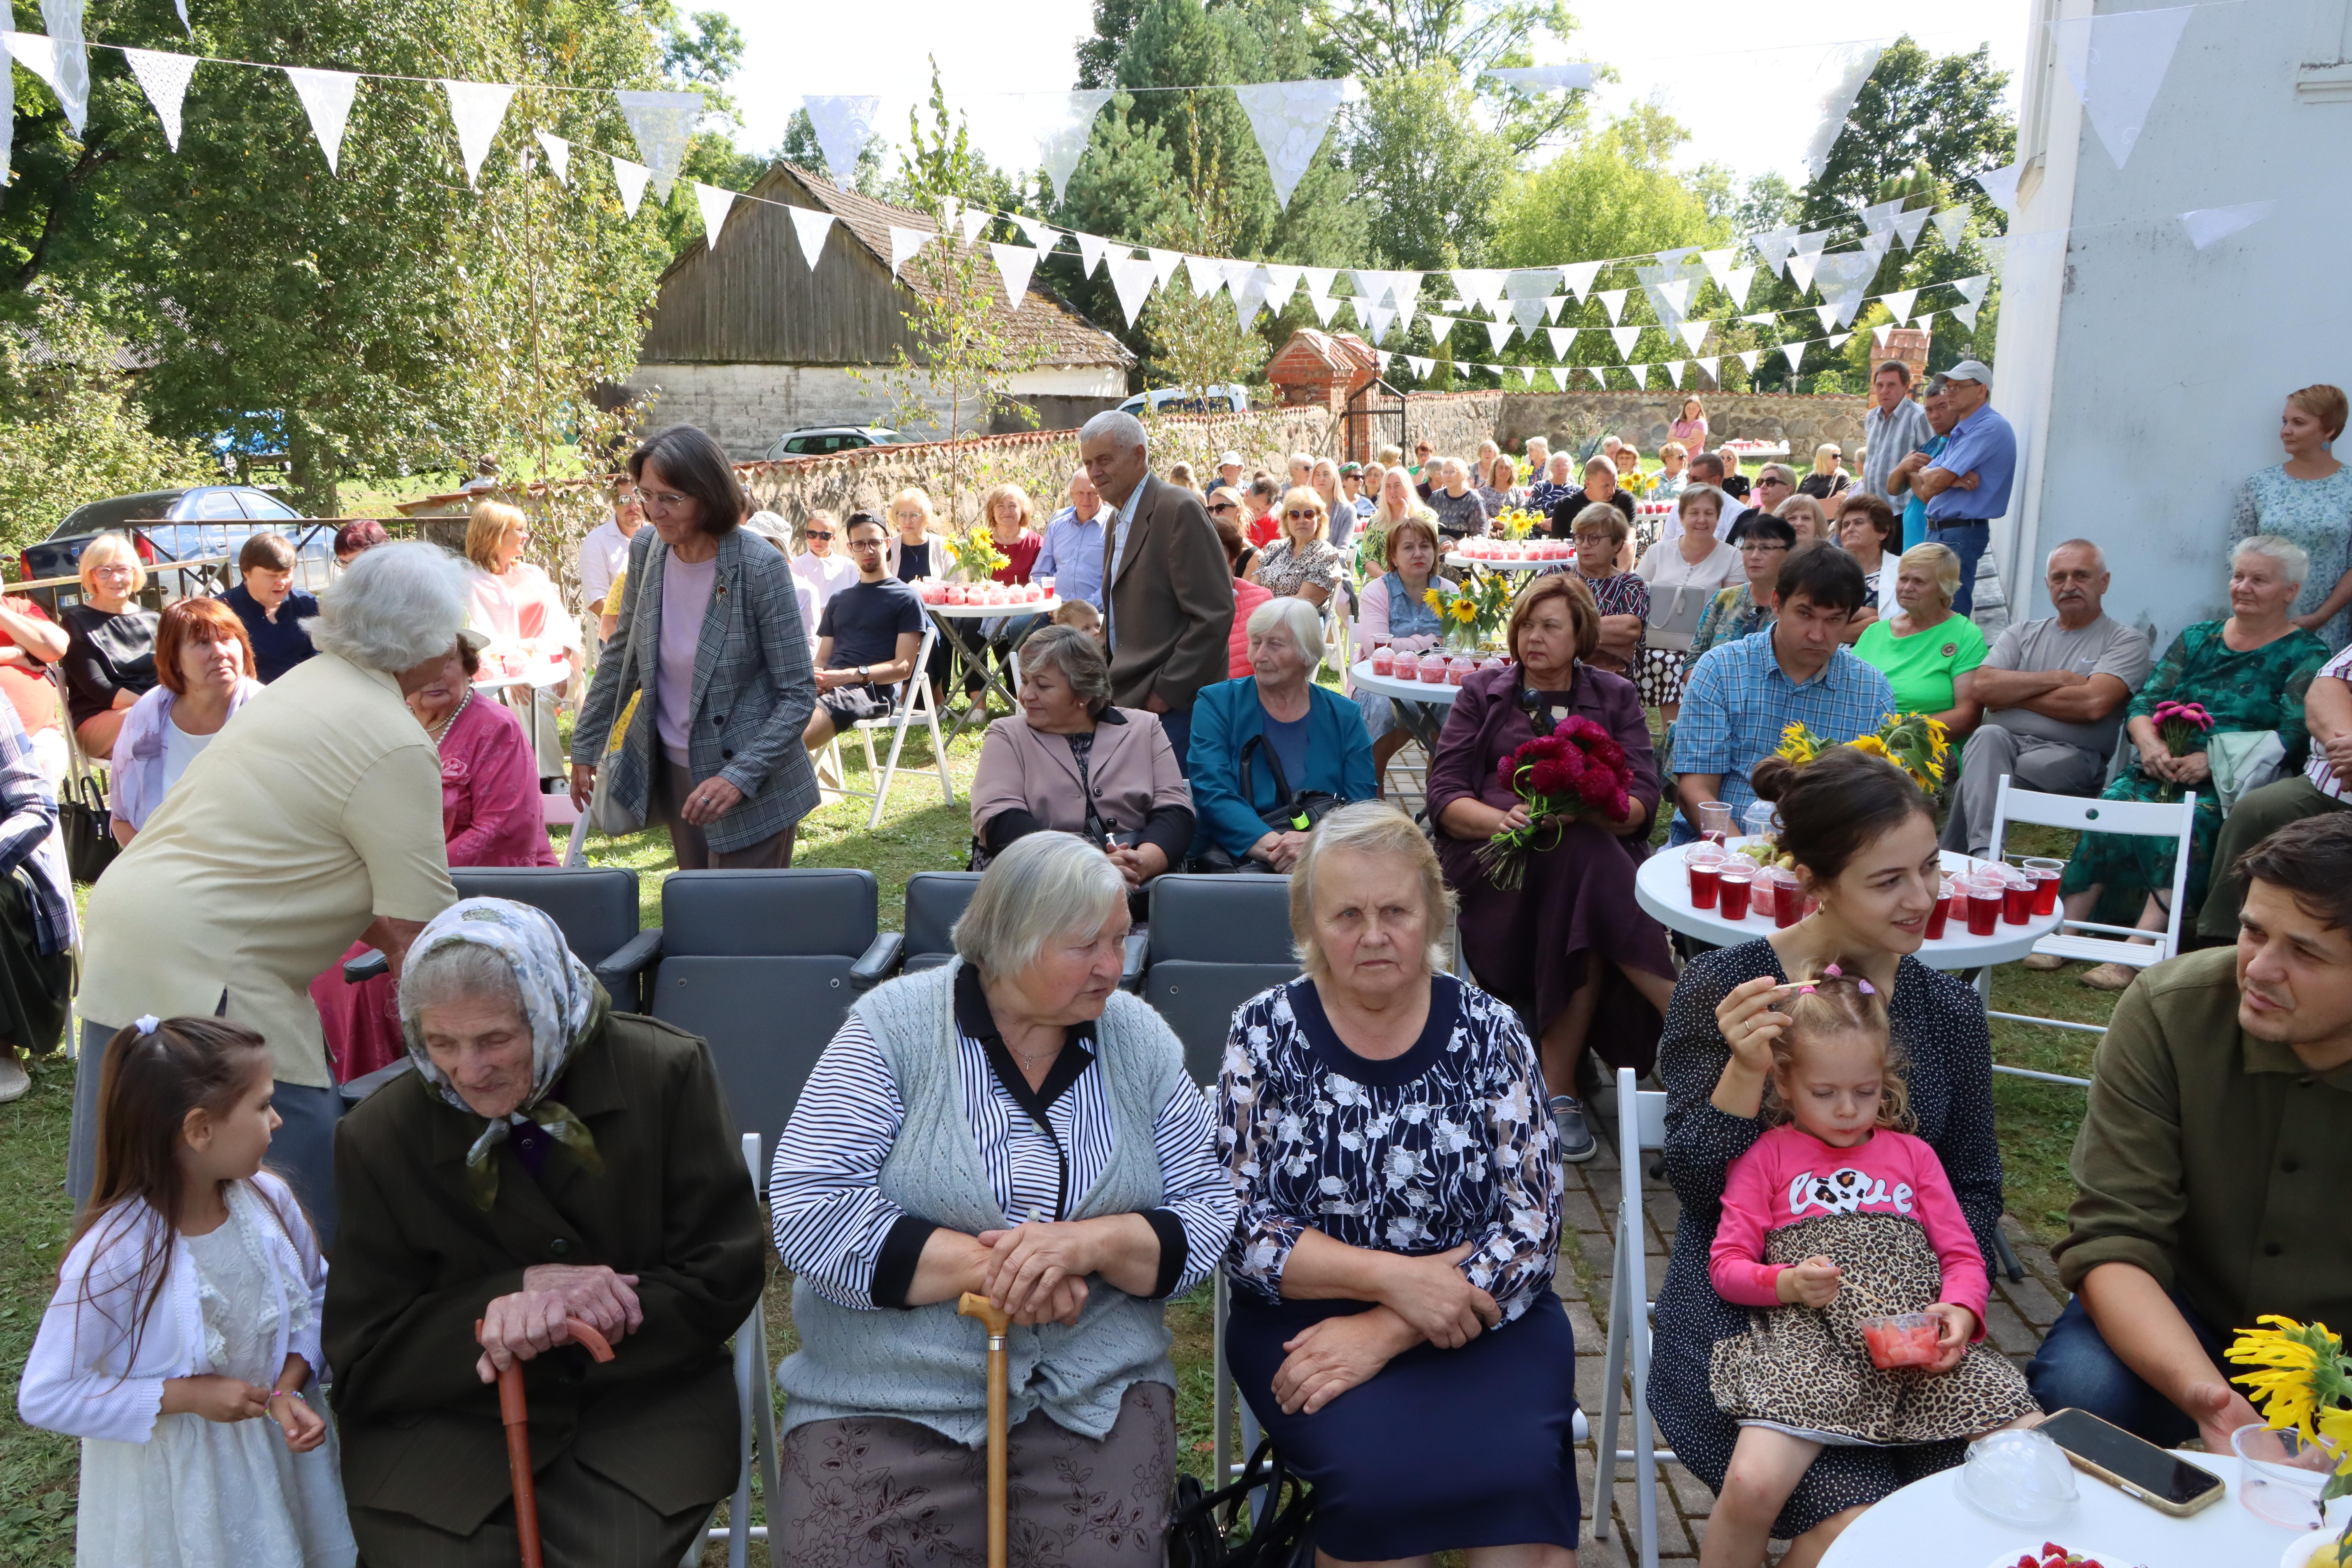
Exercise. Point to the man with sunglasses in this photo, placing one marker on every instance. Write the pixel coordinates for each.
(825, 569)
(606, 549)
(1776, 484)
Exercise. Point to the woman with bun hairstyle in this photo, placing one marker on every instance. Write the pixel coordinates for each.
(1864, 839)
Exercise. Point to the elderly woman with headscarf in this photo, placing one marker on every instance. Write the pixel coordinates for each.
(311, 822)
(548, 1159)
(1014, 1125)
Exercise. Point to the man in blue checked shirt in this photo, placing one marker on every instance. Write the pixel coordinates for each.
(1073, 552)
(1967, 485)
(1740, 696)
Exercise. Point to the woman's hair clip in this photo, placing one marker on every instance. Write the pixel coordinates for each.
(1833, 973)
(146, 1023)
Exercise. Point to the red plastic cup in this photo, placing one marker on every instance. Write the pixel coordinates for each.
(1736, 885)
(2046, 875)
(2016, 900)
(1940, 914)
(1383, 662)
(1984, 907)
(1706, 880)
(1787, 903)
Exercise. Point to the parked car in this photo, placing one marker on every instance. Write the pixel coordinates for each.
(1182, 400)
(191, 524)
(819, 439)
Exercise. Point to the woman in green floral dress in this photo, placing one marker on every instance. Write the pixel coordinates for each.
(2249, 673)
(2307, 500)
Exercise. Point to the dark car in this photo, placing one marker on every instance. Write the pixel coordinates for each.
(198, 523)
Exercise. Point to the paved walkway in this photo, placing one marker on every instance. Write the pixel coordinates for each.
(2019, 1315)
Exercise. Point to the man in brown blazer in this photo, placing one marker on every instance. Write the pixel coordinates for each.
(1168, 591)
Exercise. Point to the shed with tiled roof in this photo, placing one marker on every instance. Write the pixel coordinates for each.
(750, 340)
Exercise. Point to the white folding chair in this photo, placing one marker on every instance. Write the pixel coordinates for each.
(912, 705)
(757, 1429)
(2137, 819)
(1641, 1127)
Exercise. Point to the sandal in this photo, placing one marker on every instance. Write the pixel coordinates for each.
(2043, 962)
(2110, 977)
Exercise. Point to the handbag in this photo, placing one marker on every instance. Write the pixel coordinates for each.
(1283, 1535)
(605, 814)
(1292, 810)
(2242, 761)
(1673, 617)
(87, 828)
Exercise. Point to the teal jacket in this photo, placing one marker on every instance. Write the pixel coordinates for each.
(1224, 718)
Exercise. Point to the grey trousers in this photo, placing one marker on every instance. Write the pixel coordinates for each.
(2048, 766)
(2259, 815)
(670, 787)
(584, 1522)
(302, 1151)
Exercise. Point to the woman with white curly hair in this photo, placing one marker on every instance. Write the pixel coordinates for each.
(311, 822)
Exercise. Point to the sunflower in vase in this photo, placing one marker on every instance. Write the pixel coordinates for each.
(974, 553)
(2303, 1384)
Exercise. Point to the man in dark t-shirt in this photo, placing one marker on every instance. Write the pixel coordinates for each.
(866, 640)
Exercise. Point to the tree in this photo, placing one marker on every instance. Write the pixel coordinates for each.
(1381, 39)
(1428, 177)
(1940, 115)
(801, 146)
(1194, 343)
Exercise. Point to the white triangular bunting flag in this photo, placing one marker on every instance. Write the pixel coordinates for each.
(39, 53)
(1578, 276)
(1091, 250)
(1625, 338)
(1694, 334)
(1493, 370)
(1281, 283)
(1063, 135)
(1760, 318)
(1241, 275)
(811, 227)
(1828, 314)
(1527, 373)
(1948, 223)
(1319, 279)
(2001, 187)
(1015, 263)
(1748, 358)
(2115, 64)
(1718, 265)
(1377, 320)
(844, 125)
(1878, 334)
(1736, 285)
(631, 178)
(1676, 293)
(1290, 118)
(1842, 71)
(1613, 301)
(1794, 353)
(1560, 379)
(1324, 307)
(1674, 369)
(1247, 293)
(1164, 264)
(1773, 245)
(1499, 333)
(1879, 216)
(1641, 373)
(1810, 244)
(1899, 303)
(1973, 288)
(662, 125)
(1420, 366)
(559, 153)
(326, 97)
(1967, 315)
(2207, 225)
(1923, 319)
(1553, 305)
(1908, 225)
(1527, 313)
(1800, 269)
(974, 222)
(165, 78)
(1478, 282)
(714, 203)
(1041, 236)
(1439, 326)
(905, 243)
(1710, 364)
(478, 109)
(1130, 278)
(1837, 341)
(1561, 338)
(1206, 274)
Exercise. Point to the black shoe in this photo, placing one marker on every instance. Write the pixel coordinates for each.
(1576, 1144)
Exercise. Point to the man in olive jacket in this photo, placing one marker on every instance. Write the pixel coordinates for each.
(631, 1455)
(1168, 589)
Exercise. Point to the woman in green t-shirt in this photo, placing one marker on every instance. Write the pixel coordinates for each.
(1929, 654)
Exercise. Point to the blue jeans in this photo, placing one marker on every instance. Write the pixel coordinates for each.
(1968, 540)
(2075, 1369)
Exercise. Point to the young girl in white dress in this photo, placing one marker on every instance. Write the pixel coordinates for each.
(182, 1341)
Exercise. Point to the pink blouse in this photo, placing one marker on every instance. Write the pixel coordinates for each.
(1691, 433)
(1789, 1176)
(490, 811)
(521, 605)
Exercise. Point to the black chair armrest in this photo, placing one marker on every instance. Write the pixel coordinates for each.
(622, 974)
(1130, 974)
(877, 963)
(366, 966)
(360, 1088)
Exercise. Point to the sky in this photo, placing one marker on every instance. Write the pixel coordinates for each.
(1739, 74)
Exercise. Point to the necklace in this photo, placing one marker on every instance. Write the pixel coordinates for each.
(439, 731)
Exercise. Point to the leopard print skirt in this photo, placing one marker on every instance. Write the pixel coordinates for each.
(1809, 1369)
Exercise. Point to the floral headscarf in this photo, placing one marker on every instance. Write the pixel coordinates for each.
(561, 1003)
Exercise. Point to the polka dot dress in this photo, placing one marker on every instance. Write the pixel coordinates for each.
(1938, 1026)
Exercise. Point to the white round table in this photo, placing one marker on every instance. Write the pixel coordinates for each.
(994, 612)
(1491, 564)
(1421, 709)
(964, 666)
(1661, 887)
(1928, 1524)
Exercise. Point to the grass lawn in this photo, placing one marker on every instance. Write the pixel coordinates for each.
(919, 832)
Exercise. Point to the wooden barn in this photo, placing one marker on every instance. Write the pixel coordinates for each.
(749, 341)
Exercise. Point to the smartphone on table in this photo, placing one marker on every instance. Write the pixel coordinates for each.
(2137, 1469)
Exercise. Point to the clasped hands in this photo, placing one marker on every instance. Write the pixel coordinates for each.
(1815, 1283)
(1419, 1298)
(1037, 1272)
(217, 1397)
(2158, 762)
(534, 1320)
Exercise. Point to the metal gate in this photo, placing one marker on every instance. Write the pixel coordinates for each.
(1375, 418)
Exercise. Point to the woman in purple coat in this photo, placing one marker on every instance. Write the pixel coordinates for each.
(1570, 947)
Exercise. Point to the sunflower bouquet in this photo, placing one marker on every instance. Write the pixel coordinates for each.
(1474, 610)
(2303, 1384)
(974, 553)
(1517, 523)
(1912, 742)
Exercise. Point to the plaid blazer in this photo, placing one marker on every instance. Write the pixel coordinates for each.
(754, 688)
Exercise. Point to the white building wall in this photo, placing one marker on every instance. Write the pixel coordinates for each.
(2146, 377)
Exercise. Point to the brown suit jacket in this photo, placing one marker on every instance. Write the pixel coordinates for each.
(416, 1262)
(1171, 606)
(1131, 766)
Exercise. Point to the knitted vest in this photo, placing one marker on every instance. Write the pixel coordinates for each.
(928, 1365)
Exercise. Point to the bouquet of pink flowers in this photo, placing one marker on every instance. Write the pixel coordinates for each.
(2180, 725)
(1578, 767)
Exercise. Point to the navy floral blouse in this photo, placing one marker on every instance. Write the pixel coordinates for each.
(1445, 1144)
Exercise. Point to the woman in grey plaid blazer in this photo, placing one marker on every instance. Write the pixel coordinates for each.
(700, 721)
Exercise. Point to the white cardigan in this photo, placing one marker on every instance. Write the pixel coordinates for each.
(82, 1378)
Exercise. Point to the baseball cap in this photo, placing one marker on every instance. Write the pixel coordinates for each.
(1971, 369)
(1349, 470)
(1230, 461)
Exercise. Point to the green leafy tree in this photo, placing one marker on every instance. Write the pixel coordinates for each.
(1937, 115)
(1431, 178)
(1193, 342)
(1385, 39)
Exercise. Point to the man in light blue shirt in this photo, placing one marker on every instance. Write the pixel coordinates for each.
(1073, 552)
(1967, 485)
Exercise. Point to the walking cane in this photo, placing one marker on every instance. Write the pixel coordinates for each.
(997, 1320)
(518, 1423)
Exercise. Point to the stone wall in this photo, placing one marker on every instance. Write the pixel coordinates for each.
(1569, 419)
(1453, 423)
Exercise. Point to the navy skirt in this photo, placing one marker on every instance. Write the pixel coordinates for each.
(1443, 1449)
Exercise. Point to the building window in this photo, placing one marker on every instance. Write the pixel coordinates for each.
(2324, 75)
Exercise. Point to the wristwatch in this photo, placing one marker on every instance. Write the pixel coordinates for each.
(863, 678)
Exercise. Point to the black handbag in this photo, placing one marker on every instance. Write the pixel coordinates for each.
(1281, 1536)
(1292, 810)
(89, 828)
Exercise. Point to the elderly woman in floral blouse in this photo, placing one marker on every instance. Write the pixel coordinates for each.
(1301, 564)
(1383, 1123)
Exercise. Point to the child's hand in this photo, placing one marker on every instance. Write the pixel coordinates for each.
(1957, 1327)
(304, 1427)
(216, 1398)
(1813, 1283)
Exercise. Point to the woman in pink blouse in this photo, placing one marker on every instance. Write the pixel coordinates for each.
(514, 603)
(1691, 428)
(490, 815)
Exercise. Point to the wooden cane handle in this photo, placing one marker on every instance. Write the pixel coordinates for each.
(975, 1305)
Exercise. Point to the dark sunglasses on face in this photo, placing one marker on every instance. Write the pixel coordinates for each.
(1309, 515)
(820, 533)
(1222, 506)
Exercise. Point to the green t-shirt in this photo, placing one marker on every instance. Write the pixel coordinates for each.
(1922, 666)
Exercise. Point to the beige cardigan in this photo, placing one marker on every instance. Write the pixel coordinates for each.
(1133, 769)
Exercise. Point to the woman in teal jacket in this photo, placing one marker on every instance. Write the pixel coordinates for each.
(1313, 734)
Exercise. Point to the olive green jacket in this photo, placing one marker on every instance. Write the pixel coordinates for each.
(416, 1262)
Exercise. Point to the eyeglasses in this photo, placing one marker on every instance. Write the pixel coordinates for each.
(1771, 480)
(1294, 516)
(865, 545)
(660, 500)
(116, 570)
(818, 534)
(1222, 506)
(1760, 546)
